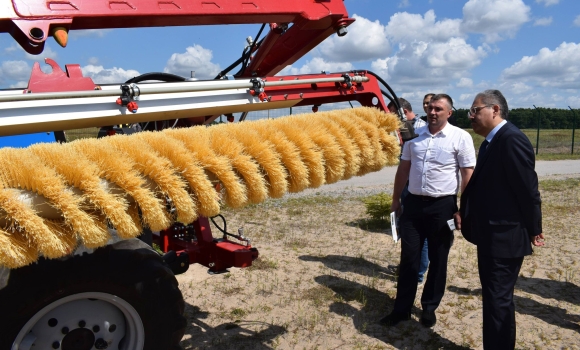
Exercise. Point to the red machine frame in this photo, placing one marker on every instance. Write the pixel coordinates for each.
(296, 27)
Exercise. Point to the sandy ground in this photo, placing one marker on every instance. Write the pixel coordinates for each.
(324, 278)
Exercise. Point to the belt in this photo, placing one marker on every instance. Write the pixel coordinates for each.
(428, 198)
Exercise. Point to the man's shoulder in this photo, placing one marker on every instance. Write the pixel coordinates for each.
(457, 131)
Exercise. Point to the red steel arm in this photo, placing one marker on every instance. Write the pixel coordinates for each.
(31, 22)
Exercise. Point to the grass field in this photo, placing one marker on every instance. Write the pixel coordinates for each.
(325, 276)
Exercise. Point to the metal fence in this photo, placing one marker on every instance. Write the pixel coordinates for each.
(544, 141)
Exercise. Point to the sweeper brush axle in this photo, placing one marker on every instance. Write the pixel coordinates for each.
(56, 196)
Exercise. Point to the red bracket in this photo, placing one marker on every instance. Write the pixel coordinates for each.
(58, 80)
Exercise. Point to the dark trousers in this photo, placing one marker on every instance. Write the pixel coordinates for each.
(424, 219)
(498, 278)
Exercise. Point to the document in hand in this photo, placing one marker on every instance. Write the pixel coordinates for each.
(394, 227)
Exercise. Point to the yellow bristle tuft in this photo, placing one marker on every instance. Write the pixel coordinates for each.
(35, 176)
(192, 172)
(15, 250)
(334, 164)
(82, 174)
(121, 171)
(264, 153)
(310, 153)
(235, 194)
(289, 155)
(160, 170)
(351, 152)
(247, 167)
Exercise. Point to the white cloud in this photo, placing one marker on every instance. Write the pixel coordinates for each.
(317, 65)
(577, 21)
(93, 60)
(573, 101)
(99, 33)
(466, 97)
(405, 27)
(543, 22)
(430, 64)
(14, 70)
(195, 58)
(465, 83)
(19, 85)
(404, 3)
(548, 2)
(366, 40)
(46, 53)
(558, 68)
(113, 75)
(516, 87)
(495, 19)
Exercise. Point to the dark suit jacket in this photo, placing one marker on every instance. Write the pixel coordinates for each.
(501, 206)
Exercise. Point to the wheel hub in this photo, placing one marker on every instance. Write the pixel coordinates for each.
(79, 339)
(83, 321)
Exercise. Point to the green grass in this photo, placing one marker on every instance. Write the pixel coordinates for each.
(555, 144)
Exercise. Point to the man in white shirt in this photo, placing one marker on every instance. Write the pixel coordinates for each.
(432, 162)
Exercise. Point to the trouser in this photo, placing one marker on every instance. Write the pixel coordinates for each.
(424, 261)
(498, 278)
(424, 252)
(424, 218)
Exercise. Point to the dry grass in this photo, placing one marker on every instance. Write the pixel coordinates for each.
(323, 280)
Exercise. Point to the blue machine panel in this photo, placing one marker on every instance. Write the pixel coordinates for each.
(26, 140)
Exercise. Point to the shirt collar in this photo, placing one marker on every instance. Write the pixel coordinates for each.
(445, 131)
(492, 133)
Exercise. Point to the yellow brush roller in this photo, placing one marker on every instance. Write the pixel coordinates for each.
(290, 156)
(160, 170)
(235, 194)
(55, 196)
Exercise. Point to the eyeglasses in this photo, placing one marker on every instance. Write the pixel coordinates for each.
(475, 110)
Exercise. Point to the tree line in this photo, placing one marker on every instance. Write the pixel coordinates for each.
(527, 118)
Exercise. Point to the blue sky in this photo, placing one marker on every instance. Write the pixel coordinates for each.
(528, 49)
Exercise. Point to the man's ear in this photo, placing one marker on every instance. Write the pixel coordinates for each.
(496, 110)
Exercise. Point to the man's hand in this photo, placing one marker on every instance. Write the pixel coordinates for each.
(396, 207)
(457, 218)
(538, 240)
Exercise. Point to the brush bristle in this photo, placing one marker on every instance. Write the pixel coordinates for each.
(152, 173)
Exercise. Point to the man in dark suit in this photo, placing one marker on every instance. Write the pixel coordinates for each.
(500, 213)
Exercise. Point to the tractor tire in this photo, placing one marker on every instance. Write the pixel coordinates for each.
(121, 296)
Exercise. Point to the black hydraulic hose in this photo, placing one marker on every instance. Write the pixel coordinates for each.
(386, 94)
(166, 77)
(236, 63)
(224, 230)
(395, 99)
(246, 56)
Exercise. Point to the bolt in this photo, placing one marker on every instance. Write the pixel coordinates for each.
(112, 328)
(64, 330)
(341, 31)
(52, 322)
(55, 345)
(82, 324)
(96, 329)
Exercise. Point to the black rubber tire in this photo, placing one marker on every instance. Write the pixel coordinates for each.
(129, 269)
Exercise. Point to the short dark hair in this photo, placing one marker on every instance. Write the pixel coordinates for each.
(403, 103)
(494, 97)
(446, 97)
(429, 95)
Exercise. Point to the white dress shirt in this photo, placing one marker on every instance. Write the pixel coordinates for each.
(436, 159)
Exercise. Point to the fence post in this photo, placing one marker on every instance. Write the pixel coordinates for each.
(538, 133)
(290, 110)
(573, 127)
